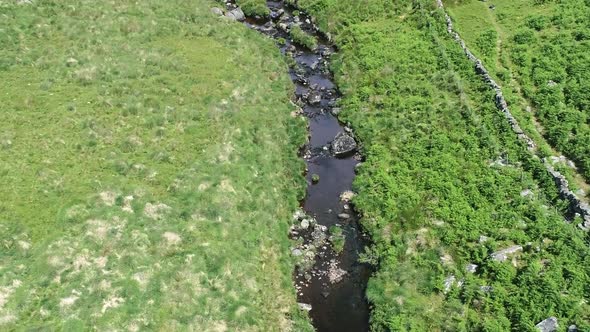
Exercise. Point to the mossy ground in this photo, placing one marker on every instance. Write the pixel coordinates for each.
(148, 172)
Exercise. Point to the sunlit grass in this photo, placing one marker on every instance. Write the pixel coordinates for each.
(149, 170)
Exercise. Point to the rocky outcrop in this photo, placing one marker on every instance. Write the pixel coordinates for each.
(576, 205)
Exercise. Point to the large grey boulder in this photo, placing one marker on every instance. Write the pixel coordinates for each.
(548, 325)
(314, 97)
(236, 14)
(343, 144)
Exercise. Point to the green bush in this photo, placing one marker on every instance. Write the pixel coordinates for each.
(253, 7)
(302, 38)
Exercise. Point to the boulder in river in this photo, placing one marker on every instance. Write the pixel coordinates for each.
(277, 14)
(335, 273)
(314, 97)
(343, 144)
(236, 14)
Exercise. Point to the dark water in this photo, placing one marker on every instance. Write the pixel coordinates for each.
(340, 306)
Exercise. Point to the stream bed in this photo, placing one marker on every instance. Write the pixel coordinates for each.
(333, 282)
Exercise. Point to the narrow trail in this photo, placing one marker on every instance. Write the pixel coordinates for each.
(525, 104)
(333, 282)
(578, 206)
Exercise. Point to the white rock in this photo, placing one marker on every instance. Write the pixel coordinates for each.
(304, 306)
(548, 325)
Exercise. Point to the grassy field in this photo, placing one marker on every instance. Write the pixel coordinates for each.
(541, 52)
(148, 170)
(446, 184)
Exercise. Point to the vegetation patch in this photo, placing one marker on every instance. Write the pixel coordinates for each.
(253, 7)
(545, 48)
(302, 38)
(139, 140)
(337, 238)
(468, 228)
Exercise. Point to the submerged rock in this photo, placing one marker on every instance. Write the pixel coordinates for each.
(335, 273)
(314, 97)
(343, 144)
(548, 325)
(344, 216)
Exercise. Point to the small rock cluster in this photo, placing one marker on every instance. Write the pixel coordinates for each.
(312, 241)
(233, 13)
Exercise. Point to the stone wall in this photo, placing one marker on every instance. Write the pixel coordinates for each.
(576, 205)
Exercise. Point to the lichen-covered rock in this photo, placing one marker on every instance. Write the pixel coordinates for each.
(236, 14)
(335, 273)
(314, 98)
(548, 325)
(343, 144)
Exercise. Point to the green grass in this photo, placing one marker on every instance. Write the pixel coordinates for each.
(302, 38)
(337, 238)
(149, 170)
(542, 41)
(431, 185)
(253, 7)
